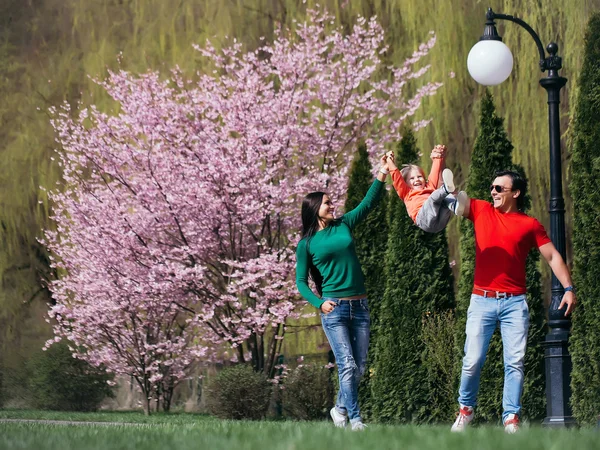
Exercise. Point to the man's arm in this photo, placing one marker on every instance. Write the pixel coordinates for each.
(561, 271)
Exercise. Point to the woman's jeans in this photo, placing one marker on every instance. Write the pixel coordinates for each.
(347, 328)
(482, 317)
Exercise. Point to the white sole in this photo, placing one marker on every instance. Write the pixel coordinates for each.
(448, 178)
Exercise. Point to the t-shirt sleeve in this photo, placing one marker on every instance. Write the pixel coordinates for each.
(539, 234)
(476, 207)
(302, 264)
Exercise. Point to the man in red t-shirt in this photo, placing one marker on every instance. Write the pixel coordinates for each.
(503, 237)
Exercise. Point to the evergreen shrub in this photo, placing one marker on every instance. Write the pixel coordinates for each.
(57, 381)
(308, 392)
(238, 392)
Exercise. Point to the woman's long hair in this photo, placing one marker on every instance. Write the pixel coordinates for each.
(310, 225)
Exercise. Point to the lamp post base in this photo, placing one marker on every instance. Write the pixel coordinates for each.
(559, 422)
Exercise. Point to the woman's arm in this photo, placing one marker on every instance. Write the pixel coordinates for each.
(302, 275)
(358, 214)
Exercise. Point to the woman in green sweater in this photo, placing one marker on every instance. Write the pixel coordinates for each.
(326, 252)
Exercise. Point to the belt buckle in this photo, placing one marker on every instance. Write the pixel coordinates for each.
(501, 295)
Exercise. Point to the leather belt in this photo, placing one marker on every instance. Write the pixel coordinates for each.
(493, 294)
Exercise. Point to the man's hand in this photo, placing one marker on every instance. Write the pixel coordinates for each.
(438, 152)
(570, 300)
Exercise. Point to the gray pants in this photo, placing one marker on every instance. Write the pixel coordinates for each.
(436, 211)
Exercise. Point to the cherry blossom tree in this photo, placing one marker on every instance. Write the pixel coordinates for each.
(178, 218)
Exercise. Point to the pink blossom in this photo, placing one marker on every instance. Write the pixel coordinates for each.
(176, 225)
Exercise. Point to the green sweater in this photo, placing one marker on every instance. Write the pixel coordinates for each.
(333, 253)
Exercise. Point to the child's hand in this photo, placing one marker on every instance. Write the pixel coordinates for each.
(390, 164)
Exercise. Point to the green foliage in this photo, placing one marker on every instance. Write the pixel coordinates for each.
(43, 62)
(1, 385)
(60, 382)
(418, 281)
(308, 392)
(585, 172)
(492, 153)
(370, 240)
(439, 358)
(238, 392)
(194, 431)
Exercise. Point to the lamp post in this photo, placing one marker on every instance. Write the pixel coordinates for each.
(490, 63)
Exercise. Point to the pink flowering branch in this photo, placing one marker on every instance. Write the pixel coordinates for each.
(176, 228)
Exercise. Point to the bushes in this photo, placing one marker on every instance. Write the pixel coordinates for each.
(418, 279)
(60, 382)
(585, 170)
(308, 393)
(437, 334)
(238, 392)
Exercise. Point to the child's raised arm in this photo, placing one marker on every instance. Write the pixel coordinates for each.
(438, 156)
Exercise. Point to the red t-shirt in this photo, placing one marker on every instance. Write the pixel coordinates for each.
(502, 242)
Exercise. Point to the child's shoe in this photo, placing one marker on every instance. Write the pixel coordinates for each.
(448, 178)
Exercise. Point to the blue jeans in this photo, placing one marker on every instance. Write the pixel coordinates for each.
(347, 328)
(482, 317)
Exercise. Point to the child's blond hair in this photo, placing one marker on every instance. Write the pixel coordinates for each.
(407, 168)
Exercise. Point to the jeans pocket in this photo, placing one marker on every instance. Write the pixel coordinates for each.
(365, 304)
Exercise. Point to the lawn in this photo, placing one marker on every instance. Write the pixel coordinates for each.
(189, 431)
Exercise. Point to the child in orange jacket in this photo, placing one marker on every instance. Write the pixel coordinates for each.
(429, 205)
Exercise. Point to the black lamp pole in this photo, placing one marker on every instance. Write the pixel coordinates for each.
(557, 357)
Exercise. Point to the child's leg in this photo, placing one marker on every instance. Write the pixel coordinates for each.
(434, 215)
(457, 203)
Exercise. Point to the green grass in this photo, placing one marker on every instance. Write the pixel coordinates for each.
(191, 431)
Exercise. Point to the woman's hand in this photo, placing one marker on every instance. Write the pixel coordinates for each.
(327, 306)
(390, 161)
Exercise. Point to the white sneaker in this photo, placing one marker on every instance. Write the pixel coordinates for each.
(358, 426)
(511, 424)
(339, 419)
(448, 178)
(461, 202)
(464, 417)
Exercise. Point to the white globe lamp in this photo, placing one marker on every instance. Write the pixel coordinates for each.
(490, 62)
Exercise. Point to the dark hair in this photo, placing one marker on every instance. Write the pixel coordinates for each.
(519, 183)
(310, 225)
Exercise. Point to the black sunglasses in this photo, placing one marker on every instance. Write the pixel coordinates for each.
(498, 188)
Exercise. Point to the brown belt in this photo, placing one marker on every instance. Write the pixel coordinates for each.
(493, 294)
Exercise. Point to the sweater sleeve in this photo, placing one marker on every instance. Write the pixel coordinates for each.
(399, 184)
(302, 264)
(434, 175)
(358, 214)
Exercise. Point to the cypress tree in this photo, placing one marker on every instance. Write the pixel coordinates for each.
(493, 153)
(370, 239)
(418, 282)
(585, 170)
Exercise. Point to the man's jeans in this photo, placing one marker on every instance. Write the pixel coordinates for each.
(513, 316)
(347, 328)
